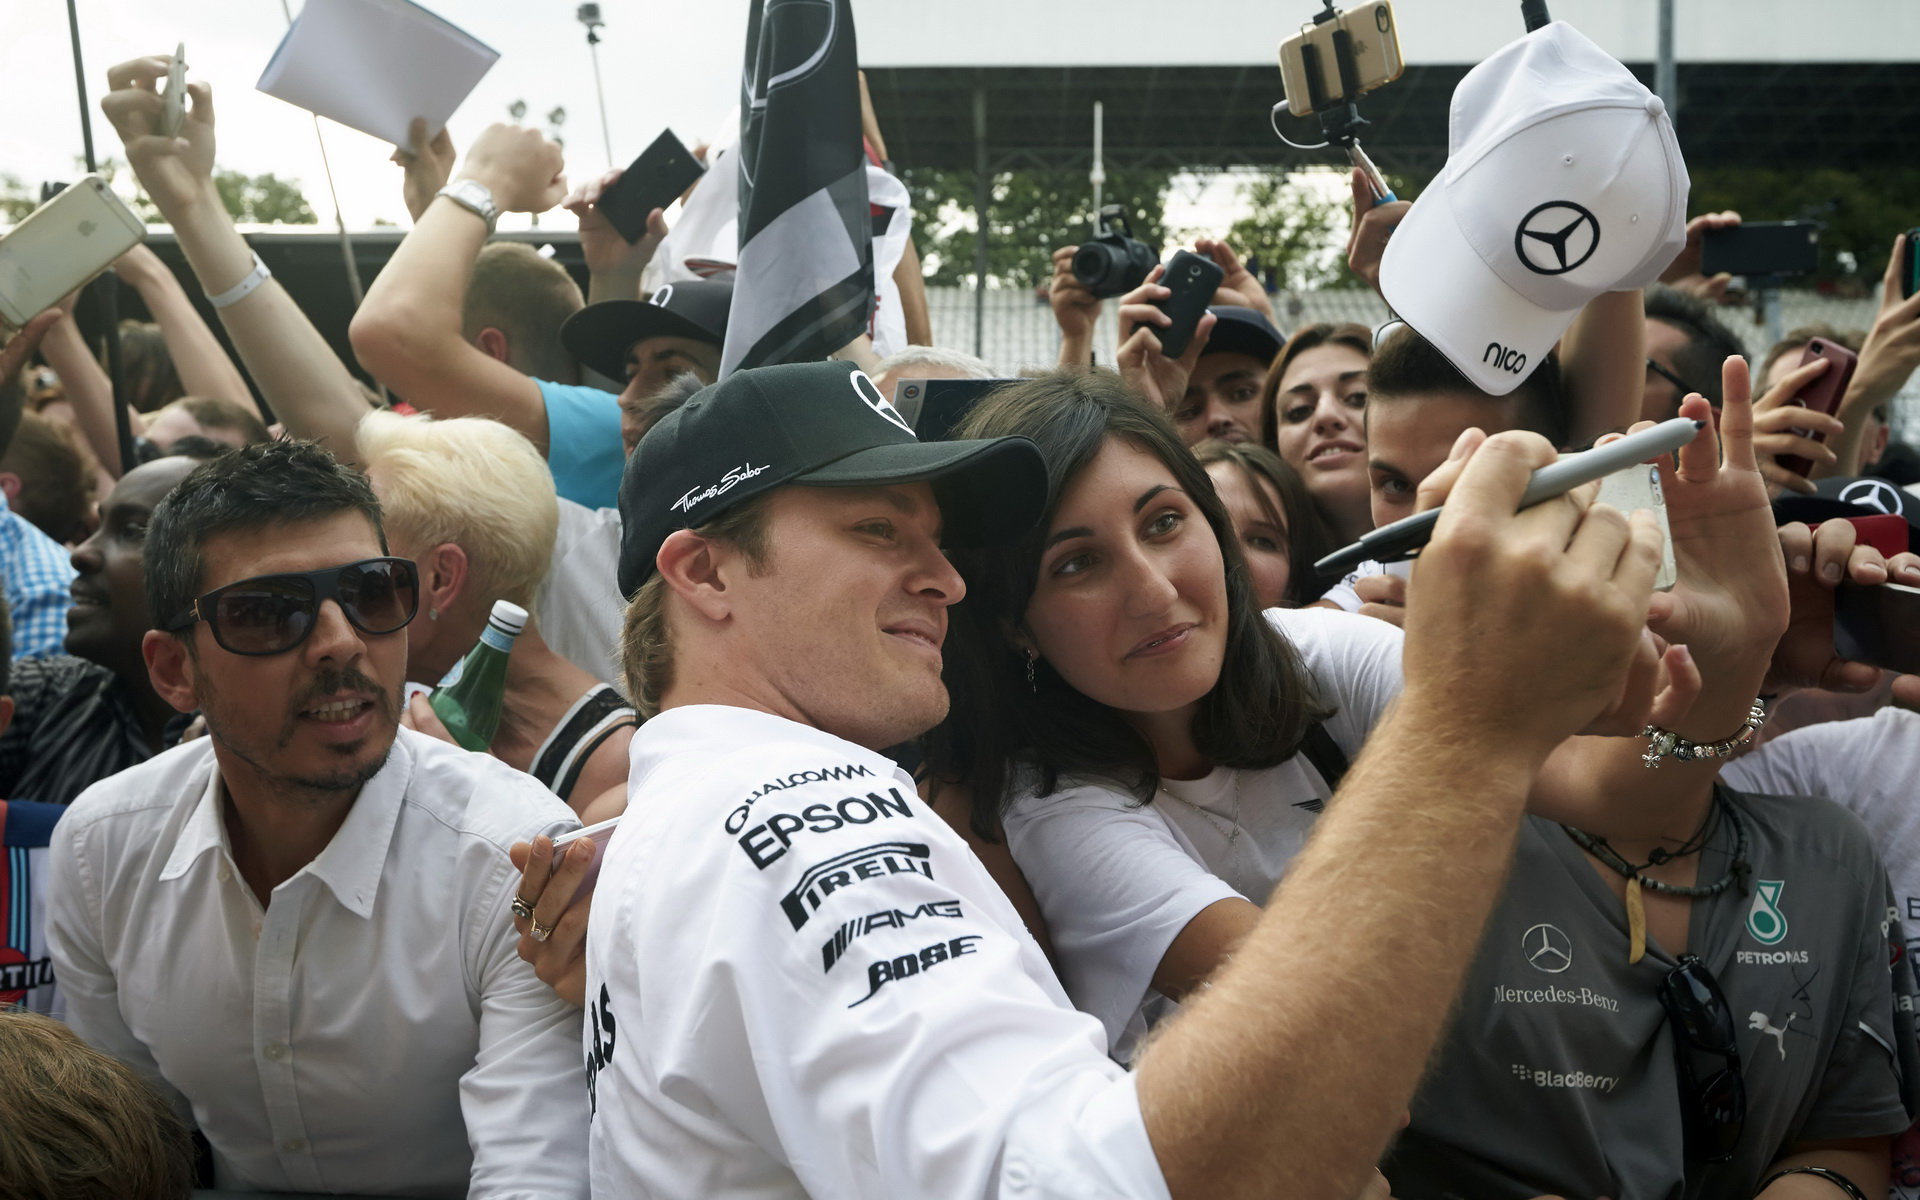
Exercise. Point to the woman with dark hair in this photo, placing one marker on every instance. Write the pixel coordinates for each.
(1280, 531)
(1156, 746)
(1311, 413)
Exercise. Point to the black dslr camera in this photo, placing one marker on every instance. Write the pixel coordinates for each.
(1113, 262)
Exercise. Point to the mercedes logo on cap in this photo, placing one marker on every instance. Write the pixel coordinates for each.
(1556, 237)
(1547, 949)
(1876, 494)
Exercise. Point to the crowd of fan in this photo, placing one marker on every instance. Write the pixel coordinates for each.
(1210, 869)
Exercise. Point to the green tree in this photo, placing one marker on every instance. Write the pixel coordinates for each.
(1294, 230)
(16, 201)
(1029, 215)
(262, 199)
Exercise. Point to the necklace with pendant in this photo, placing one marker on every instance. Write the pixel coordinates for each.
(1737, 868)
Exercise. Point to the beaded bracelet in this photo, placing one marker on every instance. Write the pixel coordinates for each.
(1666, 743)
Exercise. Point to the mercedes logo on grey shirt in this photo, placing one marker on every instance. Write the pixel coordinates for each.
(1547, 949)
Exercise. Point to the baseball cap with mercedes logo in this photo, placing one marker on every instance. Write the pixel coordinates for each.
(599, 335)
(1563, 181)
(1842, 496)
(821, 425)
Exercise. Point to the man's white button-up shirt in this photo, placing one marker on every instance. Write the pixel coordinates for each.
(372, 1029)
(801, 982)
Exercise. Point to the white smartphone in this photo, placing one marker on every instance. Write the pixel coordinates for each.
(1375, 40)
(599, 835)
(173, 101)
(61, 245)
(1638, 487)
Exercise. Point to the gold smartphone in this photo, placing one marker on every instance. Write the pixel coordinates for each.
(1308, 57)
(61, 245)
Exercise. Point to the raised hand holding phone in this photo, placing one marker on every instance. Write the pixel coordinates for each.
(174, 99)
(176, 170)
(1141, 360)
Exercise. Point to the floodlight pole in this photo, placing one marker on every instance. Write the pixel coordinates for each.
(1666, 83)
(1099, 172)
(982, 197)
(105, 291)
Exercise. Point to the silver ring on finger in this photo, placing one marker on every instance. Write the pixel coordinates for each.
(521, 908)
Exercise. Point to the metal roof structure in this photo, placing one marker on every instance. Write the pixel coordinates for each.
(1827, 114)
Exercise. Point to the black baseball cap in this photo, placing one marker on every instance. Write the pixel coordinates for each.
(1842, 496)
(599, 335)
(1242, 331)
(822, 425)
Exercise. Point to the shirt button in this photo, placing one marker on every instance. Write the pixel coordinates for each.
(226, 874)
(294, 1145)
(276, 1050)
(1018, 1177)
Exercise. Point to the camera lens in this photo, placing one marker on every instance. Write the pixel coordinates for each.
(1113, 265)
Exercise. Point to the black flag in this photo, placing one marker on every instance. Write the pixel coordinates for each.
(805, 283)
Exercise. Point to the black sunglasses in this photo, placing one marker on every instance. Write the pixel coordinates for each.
(271, 614)
(1711, 1086)
(1686, 389)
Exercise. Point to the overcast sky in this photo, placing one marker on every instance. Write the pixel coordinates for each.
(664, 63)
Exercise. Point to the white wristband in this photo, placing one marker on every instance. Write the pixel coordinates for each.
(240, 291)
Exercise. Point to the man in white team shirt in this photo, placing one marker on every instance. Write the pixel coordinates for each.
(801, 982)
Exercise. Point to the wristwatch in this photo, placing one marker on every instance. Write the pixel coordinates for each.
(473, 196)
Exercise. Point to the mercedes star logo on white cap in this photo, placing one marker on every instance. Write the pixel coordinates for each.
(1556, 237)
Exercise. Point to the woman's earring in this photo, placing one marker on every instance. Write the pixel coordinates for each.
(1032, 658)
(433, 614)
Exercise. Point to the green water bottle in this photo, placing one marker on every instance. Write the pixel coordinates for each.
(468, 700)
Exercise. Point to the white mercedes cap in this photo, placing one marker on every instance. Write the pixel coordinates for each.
(1563, 181)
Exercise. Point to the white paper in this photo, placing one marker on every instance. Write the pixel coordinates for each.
(375, 65)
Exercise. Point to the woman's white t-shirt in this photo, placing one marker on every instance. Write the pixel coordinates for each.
(1117, 880)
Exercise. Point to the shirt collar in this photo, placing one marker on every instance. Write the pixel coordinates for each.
(352, 863)
(203, 830)
(727, 730)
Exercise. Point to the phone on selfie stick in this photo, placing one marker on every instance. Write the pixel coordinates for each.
(1326, 67)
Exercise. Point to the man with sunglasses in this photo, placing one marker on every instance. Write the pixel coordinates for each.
(299, 926)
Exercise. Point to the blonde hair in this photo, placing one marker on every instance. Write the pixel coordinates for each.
(470, 481)
(80, 1125)
(527, 297)
(646, 644)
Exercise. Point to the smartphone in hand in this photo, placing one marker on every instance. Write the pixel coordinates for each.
(61, 245)
(1823, 394)
(1193, 281)
(654, 180)
(173, 101)
(1878, 624)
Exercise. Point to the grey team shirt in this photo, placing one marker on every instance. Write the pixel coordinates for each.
(1558, 1075)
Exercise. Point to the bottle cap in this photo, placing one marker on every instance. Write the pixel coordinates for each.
(509, 616)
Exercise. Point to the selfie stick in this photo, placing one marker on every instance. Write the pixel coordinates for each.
(1391, 542)
(1534, 13)
(1341, 120)
(106, 293)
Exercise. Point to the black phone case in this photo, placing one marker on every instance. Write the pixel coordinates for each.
(1910, 264)
(1878, 624)
(1761, 248)
(1193, 280)
(654, 180)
